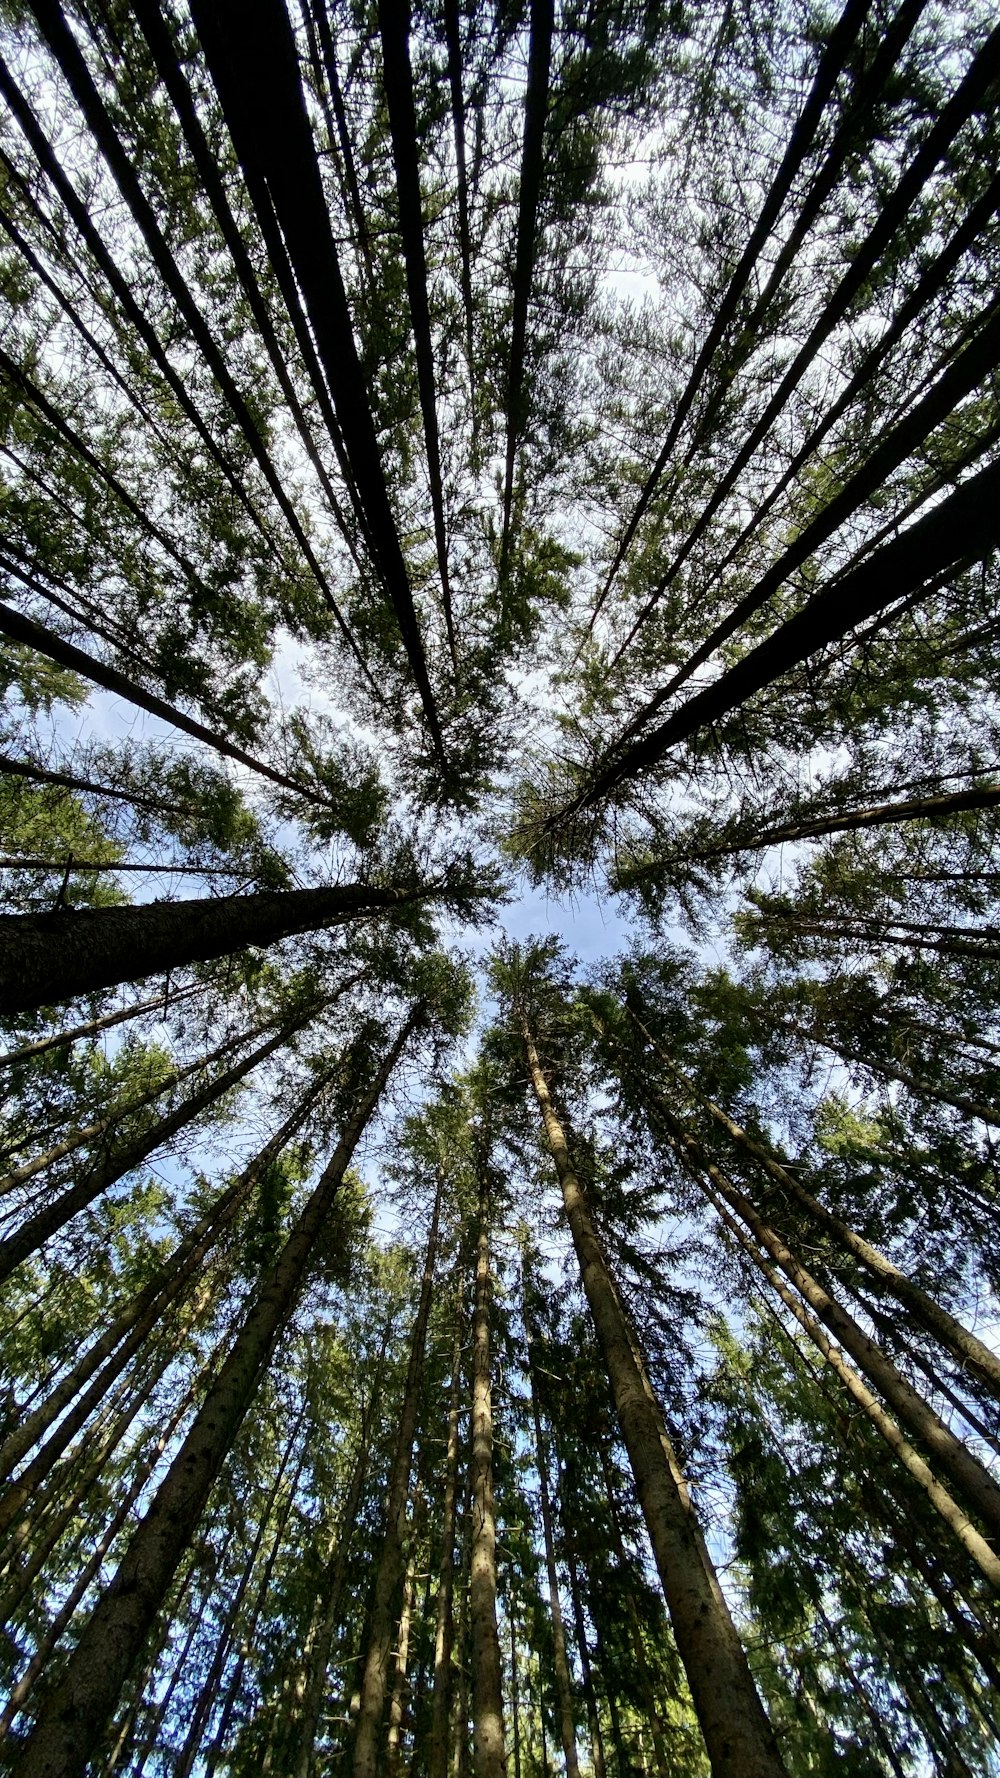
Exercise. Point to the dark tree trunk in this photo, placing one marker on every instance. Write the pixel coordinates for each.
(45, 958)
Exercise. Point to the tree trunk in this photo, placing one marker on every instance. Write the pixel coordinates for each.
(489, 1755)
(46, 958)
(564, 1686)
(964, 1471)
(70, 1726)
(953, 1515)
(737, 1734)
(61, 1039)
(336, 1577)
(367, 1739)
(936, 1320)
(397, 1701)
(437, 1764)
(46, 1222)
(139, 1316)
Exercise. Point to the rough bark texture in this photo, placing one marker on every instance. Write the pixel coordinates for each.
(71, 1725)
(367, 1739)
(489, 1755)
(737, 1734)
(45, 958)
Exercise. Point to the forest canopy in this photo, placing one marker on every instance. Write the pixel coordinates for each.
(459, 462)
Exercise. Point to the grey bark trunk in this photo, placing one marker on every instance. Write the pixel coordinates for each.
(70, 1727)
(489, 1754)
(737, 1734)
(367, 1737)
(437, 1764)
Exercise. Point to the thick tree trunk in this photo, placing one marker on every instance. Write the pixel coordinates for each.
(931, 1315)
(437, 1764)
(489, 1754)
(69, 1729)
(564, 1684)
(59, 1211)
(45, 958)
(367, 1739)
(737, 1734)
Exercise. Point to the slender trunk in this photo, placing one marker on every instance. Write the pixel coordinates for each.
(61, 1039)
(367, 1740)
(952, 1514)
(489, 1755)
(887, 814)
(333, 1593)
(930, 1315)
(36, 774)
(209, 1690)
(564, 1687)
(136, 1320)
(590, 1696)
(737, 1734)
(965, 1472)
(45, 958)
(664, 1764)
(532, 159)
(217, 1748)
(87, 1134)
(460, 1740)
(69, 1728)
(515, 1710)
(890, 1070)
(397, 1700)
(437, 1765)
(59, 1211)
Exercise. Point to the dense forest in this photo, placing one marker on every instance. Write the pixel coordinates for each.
(456, 461)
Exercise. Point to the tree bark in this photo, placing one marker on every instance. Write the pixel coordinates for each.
(69, 1728)
(367, 1739)
(60, 1039)
(564, 1686)
(931, 1315)
(972, 1481)
(737, 1734)
(45, 958)
(488, 1749)
(46, 1222)
(437, 1764)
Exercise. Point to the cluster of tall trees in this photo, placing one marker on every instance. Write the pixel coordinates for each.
(443, 449)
